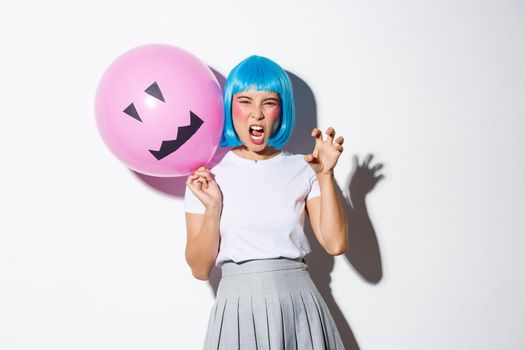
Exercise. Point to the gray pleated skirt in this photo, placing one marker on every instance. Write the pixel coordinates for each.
(270, 304)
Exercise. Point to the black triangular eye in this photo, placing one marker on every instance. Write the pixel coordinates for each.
(154, 91)
(132, 112)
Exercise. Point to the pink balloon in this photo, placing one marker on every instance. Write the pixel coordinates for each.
(159, 109)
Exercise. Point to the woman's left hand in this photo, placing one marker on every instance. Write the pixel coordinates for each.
(326, 152)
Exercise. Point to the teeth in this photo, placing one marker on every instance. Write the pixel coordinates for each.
(256, 127)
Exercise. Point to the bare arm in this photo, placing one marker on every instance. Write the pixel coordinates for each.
(326, 213)
(203, 230)
(327, 217)
(202, 244)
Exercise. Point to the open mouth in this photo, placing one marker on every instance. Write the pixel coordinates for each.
(257, 134)
(183, 135)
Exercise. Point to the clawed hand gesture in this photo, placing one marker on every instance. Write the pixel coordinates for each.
(326, 152)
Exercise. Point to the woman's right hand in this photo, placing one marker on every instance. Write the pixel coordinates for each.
(204, 187)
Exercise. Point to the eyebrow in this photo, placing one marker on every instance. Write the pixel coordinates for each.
(266, 99)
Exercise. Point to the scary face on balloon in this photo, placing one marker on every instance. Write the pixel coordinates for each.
(160, 111)
(184, 132)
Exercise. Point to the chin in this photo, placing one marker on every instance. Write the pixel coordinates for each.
(257, 148)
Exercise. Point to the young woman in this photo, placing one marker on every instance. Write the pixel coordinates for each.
(247, 216)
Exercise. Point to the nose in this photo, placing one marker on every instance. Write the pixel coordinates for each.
(257, 114)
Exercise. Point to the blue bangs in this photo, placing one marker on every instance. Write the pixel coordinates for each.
(260, 74)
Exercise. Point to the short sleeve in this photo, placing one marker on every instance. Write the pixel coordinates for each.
(314, 190)
(192, 204)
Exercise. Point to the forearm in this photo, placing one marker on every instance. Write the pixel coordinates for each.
(201, 253)
(332, 221)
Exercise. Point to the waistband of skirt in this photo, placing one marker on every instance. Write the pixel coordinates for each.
(230, 267)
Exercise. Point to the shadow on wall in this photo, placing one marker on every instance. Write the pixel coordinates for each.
(363, 251)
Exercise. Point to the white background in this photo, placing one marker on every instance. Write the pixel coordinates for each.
(92, 257)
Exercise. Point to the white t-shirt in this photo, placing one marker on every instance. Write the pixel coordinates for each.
(263, 206)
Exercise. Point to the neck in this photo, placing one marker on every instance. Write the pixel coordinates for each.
(244, 152)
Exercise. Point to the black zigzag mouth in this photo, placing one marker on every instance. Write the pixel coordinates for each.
(184, 134)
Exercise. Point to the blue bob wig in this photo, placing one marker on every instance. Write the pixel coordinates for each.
(260, 74)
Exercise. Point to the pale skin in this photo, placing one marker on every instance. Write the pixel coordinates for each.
(325, 212)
